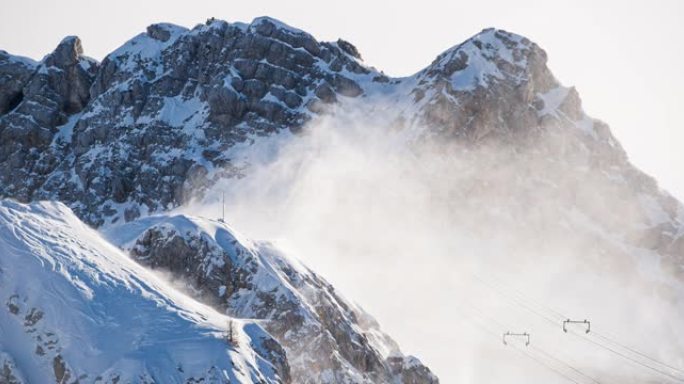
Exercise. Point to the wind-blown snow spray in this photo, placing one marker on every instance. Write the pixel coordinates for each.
(450, 245)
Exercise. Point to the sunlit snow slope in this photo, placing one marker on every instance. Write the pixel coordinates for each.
(75, 308)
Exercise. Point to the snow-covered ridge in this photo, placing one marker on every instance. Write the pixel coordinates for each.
(25, 61)
(187, 95)
(479, 59)
(157, 121)
(147, 46)
(327, 339)
(77, 308)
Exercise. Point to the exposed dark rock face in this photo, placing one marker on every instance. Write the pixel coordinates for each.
(496, 99)
(327, 339)
(38, 99)
(9, 373)
(156, 122)
(15, 73)
(101, 136)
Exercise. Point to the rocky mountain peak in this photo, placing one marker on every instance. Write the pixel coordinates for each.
(495, 85)
(67, 53)
(162, 31)
(349, 48)
(491, 56)
(269, 26)
(153, 125)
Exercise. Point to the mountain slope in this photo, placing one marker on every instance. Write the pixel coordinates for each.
(76, 309)
(495, 92)
(184, 100)
(175, 111)
(327, 339)
(180, 98)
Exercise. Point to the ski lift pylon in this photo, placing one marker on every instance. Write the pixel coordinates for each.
(585, 321)
(512, 334)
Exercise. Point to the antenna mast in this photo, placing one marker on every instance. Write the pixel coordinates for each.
(223, 208)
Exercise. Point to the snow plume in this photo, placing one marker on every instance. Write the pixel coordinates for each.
(452, 245)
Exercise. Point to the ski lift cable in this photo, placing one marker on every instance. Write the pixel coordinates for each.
(489, 331)
(557, 359)
(585, 337)
(480, 319)
(486, 317)
(641, 363)
(552, 357)
(609, 340)
(549, 355)
(518, 296)
(483, 327)
(544, 364)
(503, 326)
(517, 300)
(483, 318)
(501, 284)
(509, 321)
(608, 348)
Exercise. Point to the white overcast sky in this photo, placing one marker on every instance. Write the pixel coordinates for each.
(625, 57)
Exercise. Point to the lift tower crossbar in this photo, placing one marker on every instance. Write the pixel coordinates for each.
(509, 335)
(585, 322)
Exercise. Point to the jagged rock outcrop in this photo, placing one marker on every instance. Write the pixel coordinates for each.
(489, 85)
(327, 339)
(38, 99)
(193, 93)
(15, 73)
(157, 121)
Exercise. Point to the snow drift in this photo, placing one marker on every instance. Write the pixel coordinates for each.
(76, 308)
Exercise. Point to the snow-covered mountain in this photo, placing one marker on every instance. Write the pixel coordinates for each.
(85, 291)
(327, 339)
(173, 111)
(78, 309)
(150, 124)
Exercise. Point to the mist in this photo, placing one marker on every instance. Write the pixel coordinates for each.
(450, 245)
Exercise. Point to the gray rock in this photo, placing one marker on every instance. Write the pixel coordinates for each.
(14, 74)
(9, 373)
(325, 338)
(231, 81)
(56, 88)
